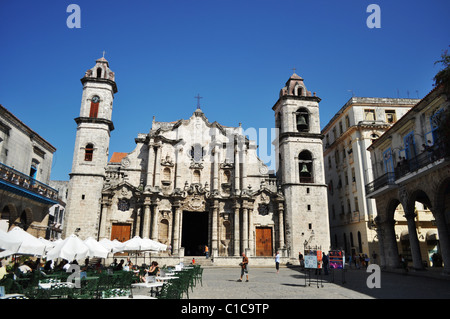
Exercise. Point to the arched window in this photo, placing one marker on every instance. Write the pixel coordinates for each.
(299, 91)
(99, 72)
(89, 152)
(6, 213)
(302, 120)
(94, 106)
(305, 164)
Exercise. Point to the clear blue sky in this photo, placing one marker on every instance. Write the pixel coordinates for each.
(236, 54)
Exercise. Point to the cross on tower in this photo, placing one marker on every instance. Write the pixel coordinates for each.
(104, 53)
(198, 97)
(293, 69)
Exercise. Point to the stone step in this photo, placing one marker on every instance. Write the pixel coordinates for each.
(199, 260)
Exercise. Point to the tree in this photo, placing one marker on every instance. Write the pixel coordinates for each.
(443, 76)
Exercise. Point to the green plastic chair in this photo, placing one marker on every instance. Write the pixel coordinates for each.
(170, 291)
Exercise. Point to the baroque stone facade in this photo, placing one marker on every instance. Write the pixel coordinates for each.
(192, 182)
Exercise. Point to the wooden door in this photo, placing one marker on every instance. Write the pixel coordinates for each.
(264, 241)
(121, 232)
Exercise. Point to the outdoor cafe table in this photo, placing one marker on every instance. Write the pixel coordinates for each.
(48, 285)
(13, 296)
(150, 285)
(165, 278)
(133, 297)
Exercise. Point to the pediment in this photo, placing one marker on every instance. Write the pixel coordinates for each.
(124, 188)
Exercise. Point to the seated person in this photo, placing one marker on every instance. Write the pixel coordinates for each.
(153, 270)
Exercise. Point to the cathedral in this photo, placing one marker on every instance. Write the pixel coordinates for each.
(193, 182)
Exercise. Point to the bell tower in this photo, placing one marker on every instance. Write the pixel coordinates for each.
(90, 154)
(300, 169)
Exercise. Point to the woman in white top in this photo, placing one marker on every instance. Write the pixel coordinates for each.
(277, 261)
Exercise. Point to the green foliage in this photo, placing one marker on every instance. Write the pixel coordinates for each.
(443, 76)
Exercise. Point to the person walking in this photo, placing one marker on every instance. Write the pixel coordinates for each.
(277, 262)
(302, 262)
(244, 267)
(325, 263)
(374, 257)
(206, 251)
(366, 260)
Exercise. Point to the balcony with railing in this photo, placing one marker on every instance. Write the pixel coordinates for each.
(24, 185)
(431, 157)
(385, 181)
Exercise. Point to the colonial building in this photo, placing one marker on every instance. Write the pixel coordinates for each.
(25, 167)
(348, 168)
(411, 165)
(57, 211)
(192, 182)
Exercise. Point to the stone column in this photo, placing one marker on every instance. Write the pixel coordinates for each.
(216, 170)
(236, 230)
(138, 213)
(176, 228)
(390, 244)
(236, 171)
(444, 238)
(178, 183)
(281, 243)
(155, 214)
(380, 235)
(244, 227)
(146, 219)
(158, 166)
(214, 226)
(150, 164)
(413, 240)
(251, 240)
(104, 218)
(244, 166)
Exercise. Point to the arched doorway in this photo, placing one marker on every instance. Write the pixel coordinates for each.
(7, 216)
(194, 232)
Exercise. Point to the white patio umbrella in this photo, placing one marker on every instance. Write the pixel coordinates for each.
(7, 243)
(138, 244)
(95, 248)
(30, 245)
(117, 244)
(48, 244)
(69, 249)
(107, 244)
(155, 245)
(111, 245)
